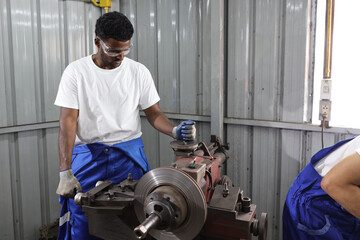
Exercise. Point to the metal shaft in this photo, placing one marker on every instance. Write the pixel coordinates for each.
(151, 222)
(330, 5)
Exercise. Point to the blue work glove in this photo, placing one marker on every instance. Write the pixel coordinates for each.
(185, 131)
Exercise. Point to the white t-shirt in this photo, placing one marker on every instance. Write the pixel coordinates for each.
(108, 100)
(328, 162)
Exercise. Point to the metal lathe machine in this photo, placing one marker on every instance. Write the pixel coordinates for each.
(188, 200)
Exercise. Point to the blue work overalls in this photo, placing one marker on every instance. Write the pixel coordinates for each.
(310, 213)
(98, 162)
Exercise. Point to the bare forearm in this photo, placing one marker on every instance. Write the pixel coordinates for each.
(160, 122)
(348, 196)
(66, 145)
(341, 183)
(67, 135)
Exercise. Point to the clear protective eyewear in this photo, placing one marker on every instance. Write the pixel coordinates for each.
(114, 52)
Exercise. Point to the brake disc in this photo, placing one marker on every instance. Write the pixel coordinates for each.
(190, 190)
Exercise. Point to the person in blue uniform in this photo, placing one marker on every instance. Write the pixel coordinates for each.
(324, 200)
(100, 96)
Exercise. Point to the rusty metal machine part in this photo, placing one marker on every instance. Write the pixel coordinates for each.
(190, 200)
(183, 145)
(173, 203)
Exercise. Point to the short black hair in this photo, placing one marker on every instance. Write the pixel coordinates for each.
(114, 25)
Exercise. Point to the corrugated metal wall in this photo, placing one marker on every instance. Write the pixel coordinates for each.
(38, 39)
(247, 62)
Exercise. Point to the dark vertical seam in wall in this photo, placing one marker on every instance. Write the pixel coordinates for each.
(281, 59)
(157, 73)
(277, 180)
(11, 98)
(311, 60)
(200, 82)
(137, 29)
(178, 67)
(279, 112)
(36, 59)
(43, 177)
(43, 180)
(198, 57)
(66, 37)
(307, 143)
(156, 56)
(252, 22)
(16, 187)
(225, 70)
(87, 10)
(62, 39)
(12, 120)
(40, 62)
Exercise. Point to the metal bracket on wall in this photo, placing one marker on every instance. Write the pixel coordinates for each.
(106, 4)
(103, 3)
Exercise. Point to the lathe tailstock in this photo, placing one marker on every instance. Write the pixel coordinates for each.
(188, 200)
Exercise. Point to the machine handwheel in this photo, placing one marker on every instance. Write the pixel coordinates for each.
(263, 226)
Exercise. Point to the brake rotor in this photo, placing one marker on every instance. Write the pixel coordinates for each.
(186, 185)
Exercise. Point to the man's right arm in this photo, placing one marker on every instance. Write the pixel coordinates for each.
(67, 135)
(342, 183)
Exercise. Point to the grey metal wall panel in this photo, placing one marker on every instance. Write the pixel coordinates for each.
(266, 58)
(205, 59)
(6, 67)
(29, 184)
(203, 132)
(150, 138)
(91, 15)
(38, 40)
(239, 164)
(75, 27)
(315, 140)
(129, 9)
(3, 101)
(239, 91)
(168, 54)
(23, 34)
(6, 204)
(146, 32)
(295, 66)
(50, 51)
(291, 155)
(51, 174)
(264, 171)
(169, 41)
(188, 55)
(166, 153)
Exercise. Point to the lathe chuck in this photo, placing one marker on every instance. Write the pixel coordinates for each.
(170, 203)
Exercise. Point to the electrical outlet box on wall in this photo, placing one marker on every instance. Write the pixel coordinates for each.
(325, 110)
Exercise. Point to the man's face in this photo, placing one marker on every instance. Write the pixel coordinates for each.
(112, 52)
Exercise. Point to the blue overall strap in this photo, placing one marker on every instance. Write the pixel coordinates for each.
(134, 149)
(310, 213)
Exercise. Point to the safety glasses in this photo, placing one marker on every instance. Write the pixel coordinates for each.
(114, 52)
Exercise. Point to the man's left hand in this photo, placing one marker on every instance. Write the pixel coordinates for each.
(185, 131)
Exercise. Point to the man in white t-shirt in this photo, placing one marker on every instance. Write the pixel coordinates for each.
(324, 200)
(99, 139)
